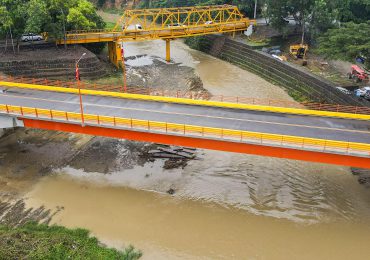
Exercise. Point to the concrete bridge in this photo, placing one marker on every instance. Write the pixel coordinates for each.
(293, 133)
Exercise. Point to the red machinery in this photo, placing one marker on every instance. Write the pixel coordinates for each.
(358, 74)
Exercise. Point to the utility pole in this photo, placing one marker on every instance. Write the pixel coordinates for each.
(255, 9)
(79, 90)
(64, 29)
(123, 68)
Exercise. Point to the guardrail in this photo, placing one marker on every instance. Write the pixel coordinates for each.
(197, 95)
(294, 142)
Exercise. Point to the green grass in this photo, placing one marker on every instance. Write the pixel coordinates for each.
(113, 10)
(109, 25)
(257, 43)
(35, 241)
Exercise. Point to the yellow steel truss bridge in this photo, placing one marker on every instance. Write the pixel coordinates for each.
(163, 23)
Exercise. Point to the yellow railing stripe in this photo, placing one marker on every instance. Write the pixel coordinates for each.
(283, 110)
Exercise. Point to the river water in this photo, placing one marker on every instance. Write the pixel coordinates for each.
(226, 206)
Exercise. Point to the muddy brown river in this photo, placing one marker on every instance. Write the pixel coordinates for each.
(226, 206)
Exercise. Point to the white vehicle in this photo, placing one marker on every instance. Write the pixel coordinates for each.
(31, 37)
(133, 27)
(176, 25)
(343, 90)
(361, 92)
(208, 22)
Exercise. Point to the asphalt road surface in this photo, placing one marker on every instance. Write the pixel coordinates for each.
(237, 119)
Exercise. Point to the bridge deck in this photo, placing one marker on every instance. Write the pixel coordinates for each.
(338, 129)
(166, 23)
(153, 33)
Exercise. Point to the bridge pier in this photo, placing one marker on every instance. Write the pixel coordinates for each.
(114, 52)
(10, 122)
(168, 50)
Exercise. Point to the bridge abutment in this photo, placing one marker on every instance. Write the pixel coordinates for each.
(9, 122)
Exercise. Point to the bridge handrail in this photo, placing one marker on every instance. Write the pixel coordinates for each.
(185, 8)
(151, 29)
(194, 95)
(294, 142)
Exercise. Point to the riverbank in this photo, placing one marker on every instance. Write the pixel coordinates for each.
(297, 82)
(54, 242)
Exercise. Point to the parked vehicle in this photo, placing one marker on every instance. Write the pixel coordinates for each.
(361, 92)
(298, 51)
(31, 37)
(344, 90)
(358, 74)
(272, 50)
(133, 27)
(176, 25)
(367, 95)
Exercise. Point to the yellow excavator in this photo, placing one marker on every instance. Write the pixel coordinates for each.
(298, 51)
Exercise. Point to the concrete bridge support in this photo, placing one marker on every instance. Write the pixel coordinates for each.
(10, 122)
(168, 50)
(114, 52)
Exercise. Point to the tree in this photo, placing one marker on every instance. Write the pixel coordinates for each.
(357, 11)
(5, 24)
(37, 16)
(15, 17)
(83, 16)
(347, 42)
(52, 16)
(246, 6)
(313, 16)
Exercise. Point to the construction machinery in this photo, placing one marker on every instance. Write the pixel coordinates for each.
(358, 74)
(298, 51)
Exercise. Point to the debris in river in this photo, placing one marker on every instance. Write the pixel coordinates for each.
(172, 153)
(177, 156)
(363, 176)
(171, 191)
(173, 164)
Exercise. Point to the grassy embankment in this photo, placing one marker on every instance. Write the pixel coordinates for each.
(109, 25)
(36, 241)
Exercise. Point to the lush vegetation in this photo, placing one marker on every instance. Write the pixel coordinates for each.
(347, 42)
(52, 16)
(340, 28)
(317, 15)
(322, 22)
(246, 6)
(34, 241)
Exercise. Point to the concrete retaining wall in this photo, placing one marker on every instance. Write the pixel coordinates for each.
(50, 62)
(297, 82)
